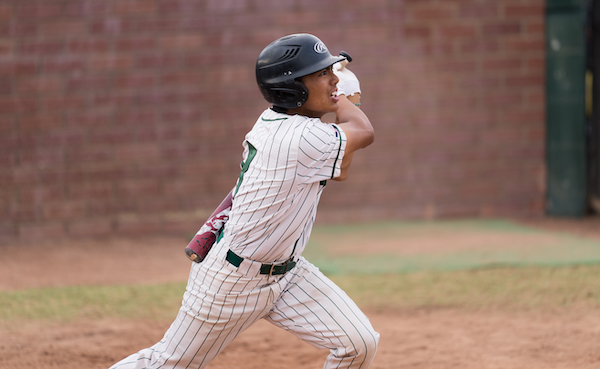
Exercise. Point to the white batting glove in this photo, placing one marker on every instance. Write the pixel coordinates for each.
(348, 84)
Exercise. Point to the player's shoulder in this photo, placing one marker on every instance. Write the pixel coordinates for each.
(270, 115)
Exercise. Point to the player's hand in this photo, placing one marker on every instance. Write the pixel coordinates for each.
(348, 84)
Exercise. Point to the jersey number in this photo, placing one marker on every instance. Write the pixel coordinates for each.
(245, 165)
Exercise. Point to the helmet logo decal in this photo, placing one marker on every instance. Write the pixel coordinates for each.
(320, 48)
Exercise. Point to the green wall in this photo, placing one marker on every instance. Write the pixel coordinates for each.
(565, 78)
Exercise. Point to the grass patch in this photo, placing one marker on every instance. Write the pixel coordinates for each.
(407, 247)
(521, 288)
(68, 303)
(524, 288)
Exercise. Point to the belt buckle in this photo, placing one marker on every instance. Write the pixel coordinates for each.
(284, 265)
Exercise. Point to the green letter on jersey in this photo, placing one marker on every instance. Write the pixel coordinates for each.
(245, 165)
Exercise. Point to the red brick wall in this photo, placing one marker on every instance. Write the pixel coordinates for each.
(127, 116)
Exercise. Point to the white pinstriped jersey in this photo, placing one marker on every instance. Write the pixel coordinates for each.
(285, 160)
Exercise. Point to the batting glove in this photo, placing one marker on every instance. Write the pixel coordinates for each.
(348, 84)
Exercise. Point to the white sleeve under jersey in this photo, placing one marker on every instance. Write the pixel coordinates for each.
(286, 160)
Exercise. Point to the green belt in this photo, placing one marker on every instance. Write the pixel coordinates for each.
(269, 269)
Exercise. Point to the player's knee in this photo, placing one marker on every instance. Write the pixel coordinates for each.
(363, 346)
(371, 341)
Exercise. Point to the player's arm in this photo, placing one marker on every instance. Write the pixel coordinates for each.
(353, 121)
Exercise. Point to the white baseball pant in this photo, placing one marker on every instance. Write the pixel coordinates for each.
(222, 300)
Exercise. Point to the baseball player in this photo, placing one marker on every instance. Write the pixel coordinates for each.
(255, 270)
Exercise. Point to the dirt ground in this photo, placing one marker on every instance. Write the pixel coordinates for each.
(425, 338)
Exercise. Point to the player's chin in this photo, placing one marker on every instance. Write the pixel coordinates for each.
(334, 103)
(335, 108)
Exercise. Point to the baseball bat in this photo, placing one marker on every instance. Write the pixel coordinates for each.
(346, 55)
(204, 239)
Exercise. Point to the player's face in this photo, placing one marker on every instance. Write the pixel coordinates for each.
(322, 98)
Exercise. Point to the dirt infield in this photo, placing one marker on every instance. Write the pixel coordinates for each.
(423, 338)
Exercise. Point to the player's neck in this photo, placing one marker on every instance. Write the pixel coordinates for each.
(279, 109)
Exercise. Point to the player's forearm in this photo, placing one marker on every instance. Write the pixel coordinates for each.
(356, 125)
(355, 99)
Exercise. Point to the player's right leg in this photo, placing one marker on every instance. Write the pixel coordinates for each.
(219, 303)
(319, 312)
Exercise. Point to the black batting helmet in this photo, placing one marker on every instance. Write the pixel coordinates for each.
(286, 59)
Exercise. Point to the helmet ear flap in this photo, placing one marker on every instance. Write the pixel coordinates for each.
(288, 96)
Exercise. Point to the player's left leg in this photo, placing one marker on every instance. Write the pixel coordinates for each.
(320, 313)
(219, 303)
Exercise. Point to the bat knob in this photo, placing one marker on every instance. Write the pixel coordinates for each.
(346, 55)
(193, 256)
